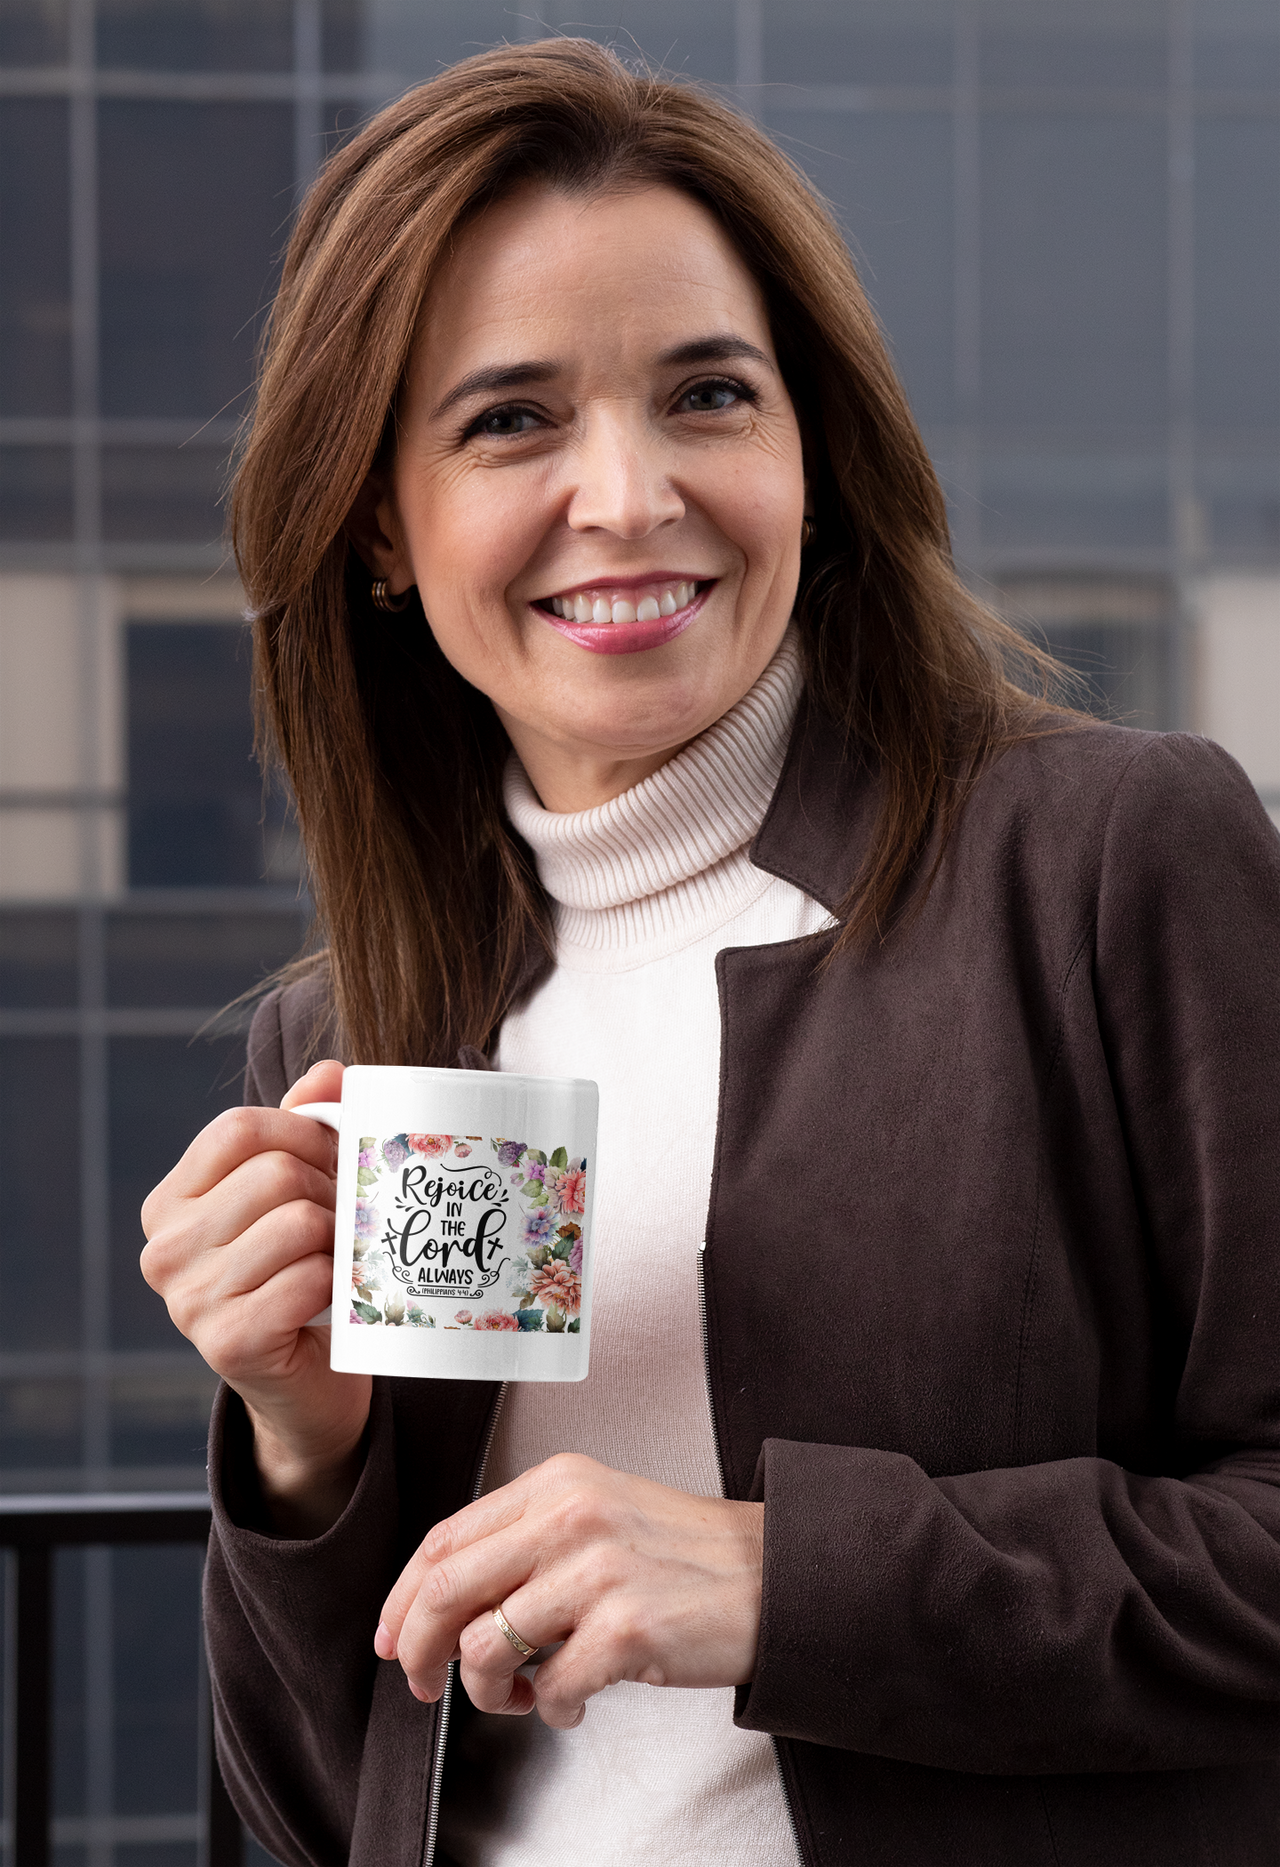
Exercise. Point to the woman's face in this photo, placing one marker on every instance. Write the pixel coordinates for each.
(599, 486)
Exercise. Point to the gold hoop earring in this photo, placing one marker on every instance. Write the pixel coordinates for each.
(392, 605)
(808, 532)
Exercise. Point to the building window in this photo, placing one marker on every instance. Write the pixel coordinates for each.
(200, 815)
(1116, 637)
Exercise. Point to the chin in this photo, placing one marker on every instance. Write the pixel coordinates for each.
(637, 723)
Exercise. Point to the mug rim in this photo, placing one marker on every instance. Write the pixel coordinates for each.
(432, 1073)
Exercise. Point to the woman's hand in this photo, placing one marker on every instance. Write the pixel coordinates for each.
(240, 1246)
(639, 1582)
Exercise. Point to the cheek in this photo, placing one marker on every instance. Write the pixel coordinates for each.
(469, 537)
(764, 519)
(760, 502)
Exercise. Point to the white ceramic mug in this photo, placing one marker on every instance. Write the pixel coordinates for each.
(462, 1247)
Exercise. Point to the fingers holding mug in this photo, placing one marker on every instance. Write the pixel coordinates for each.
(322, 1083)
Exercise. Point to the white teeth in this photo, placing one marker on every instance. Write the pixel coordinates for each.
(592, 606)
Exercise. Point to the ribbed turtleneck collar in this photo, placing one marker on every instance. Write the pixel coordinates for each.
(666, 862)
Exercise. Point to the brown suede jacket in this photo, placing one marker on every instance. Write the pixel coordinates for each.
(992, 1274)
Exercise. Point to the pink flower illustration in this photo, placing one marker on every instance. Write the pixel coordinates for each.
(558, 1287)
(432, 1145)
(462, 1150)
(463, 1316)
(496, 1319)
(569, 1189)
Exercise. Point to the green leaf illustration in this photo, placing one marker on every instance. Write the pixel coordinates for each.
(365, 1176)
(368, 1140)
(560, 1158)
(536, 1154)
(366, 1312)
(536, 1193)
(575, 1327)
(562, 1248)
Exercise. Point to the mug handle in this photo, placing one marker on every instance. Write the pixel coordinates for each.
(329, 1114)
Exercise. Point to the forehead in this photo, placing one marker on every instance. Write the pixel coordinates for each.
(556, 275)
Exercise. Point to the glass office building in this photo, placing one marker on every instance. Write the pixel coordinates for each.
(1067, 214)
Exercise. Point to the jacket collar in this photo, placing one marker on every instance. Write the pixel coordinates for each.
(815, 832)
(818, 826)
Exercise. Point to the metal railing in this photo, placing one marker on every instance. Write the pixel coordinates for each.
(34, 1527)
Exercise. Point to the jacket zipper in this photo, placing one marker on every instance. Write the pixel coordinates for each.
(715, 1440)
(442, 1727)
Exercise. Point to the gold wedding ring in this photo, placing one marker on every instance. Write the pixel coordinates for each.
(522, 1647)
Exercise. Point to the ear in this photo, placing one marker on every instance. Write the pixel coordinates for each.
(374, 528)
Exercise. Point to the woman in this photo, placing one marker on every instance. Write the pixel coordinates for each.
(641, 729)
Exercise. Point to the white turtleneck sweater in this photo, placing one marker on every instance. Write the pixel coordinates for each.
(647, 889)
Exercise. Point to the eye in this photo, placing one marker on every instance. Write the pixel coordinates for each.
(509, 419)
(708, 398)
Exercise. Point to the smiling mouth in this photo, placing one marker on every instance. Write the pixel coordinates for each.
(606, 603)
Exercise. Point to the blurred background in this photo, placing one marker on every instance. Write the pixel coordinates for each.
(1067, 214)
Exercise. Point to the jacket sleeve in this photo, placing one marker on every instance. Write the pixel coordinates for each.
(265, 1076)
(1073, 1615)
(289, 1632)
(289, 1625)
(291, 1028)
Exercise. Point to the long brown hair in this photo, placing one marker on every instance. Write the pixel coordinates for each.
(430, 905)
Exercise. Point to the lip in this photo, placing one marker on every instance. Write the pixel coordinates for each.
(624, 638)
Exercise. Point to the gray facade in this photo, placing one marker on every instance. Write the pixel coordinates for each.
(1067, 214)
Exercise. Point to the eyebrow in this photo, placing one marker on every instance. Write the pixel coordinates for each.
(487, 381)
(717, 348)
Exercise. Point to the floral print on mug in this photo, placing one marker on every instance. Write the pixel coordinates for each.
(439, 1217)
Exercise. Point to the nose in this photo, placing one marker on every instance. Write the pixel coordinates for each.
(623, 484)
